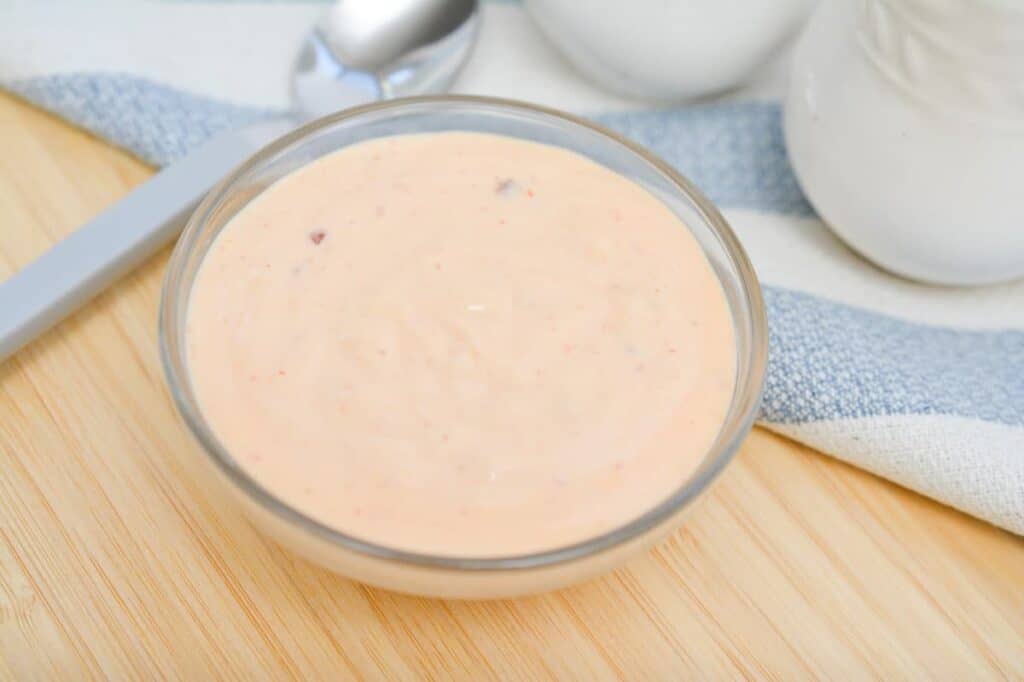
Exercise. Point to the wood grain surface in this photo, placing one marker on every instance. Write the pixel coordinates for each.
(117, 562)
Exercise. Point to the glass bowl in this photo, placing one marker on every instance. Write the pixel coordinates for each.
(446, 576)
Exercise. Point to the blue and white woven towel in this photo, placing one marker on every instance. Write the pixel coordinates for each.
(922, 385)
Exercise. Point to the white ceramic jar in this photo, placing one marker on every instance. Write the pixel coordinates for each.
(668, 50)
(905, 126)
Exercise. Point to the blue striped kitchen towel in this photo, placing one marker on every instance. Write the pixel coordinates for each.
(922, 385)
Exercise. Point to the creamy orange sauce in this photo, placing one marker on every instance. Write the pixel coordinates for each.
(462, 344)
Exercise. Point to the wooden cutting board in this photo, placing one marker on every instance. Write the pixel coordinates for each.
(116, 561)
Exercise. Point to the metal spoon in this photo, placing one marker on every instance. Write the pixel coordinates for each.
(362, 50)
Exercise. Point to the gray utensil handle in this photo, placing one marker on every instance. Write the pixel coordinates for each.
(120, 238)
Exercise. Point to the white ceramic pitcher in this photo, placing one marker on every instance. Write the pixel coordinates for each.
(905, 125)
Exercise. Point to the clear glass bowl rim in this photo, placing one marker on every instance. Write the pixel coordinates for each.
(743, 409)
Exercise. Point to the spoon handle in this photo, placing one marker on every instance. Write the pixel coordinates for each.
(123, 236)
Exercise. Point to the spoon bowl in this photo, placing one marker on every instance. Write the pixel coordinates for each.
(367, 51)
